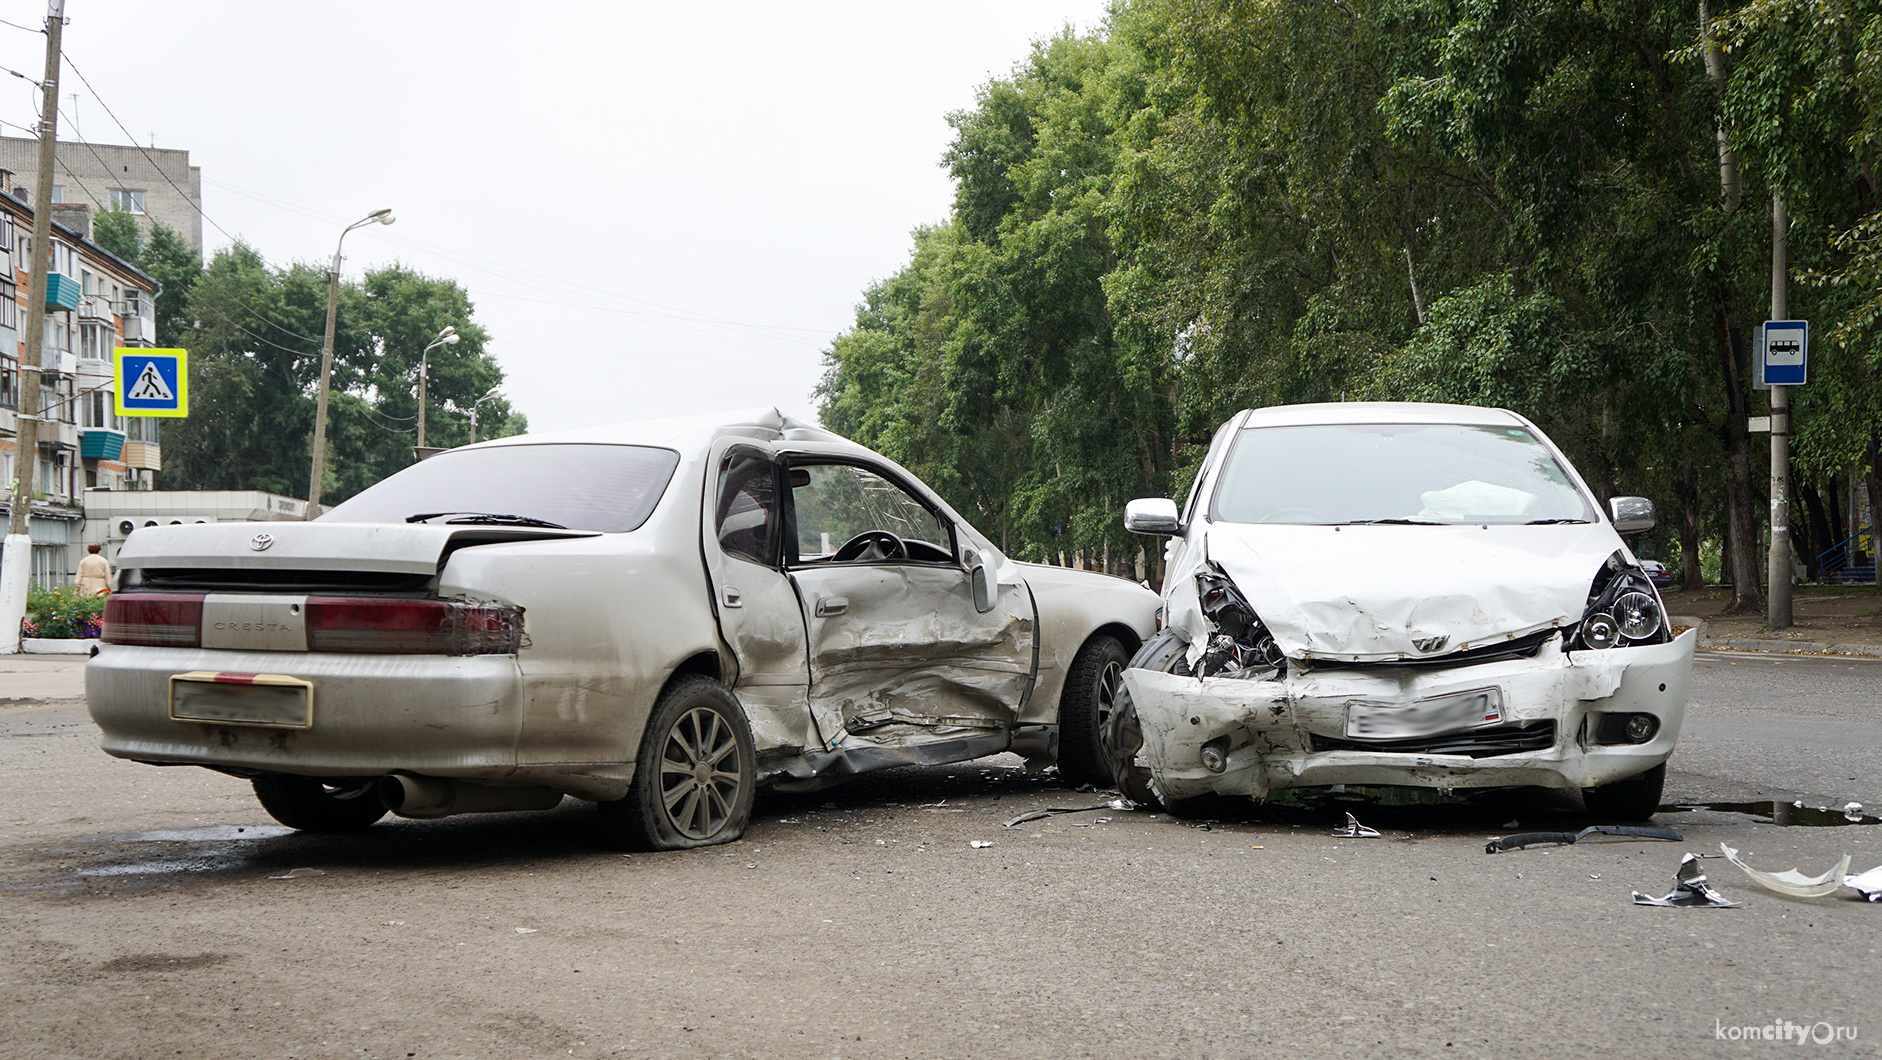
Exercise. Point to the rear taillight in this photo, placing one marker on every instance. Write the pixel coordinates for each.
(411, 627)
(158, 620)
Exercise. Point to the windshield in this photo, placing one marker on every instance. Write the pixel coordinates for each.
(1348, 473)
(611, 488)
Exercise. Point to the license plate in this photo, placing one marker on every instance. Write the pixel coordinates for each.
(242, 699)
(1426, 717)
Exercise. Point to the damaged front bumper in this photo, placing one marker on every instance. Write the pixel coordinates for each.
(1561, 723)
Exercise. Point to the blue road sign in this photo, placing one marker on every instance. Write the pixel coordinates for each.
(152, 382)
(1786, 352)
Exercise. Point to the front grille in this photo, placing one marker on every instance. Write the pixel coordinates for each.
(1524, 647)
(1476, 743)
(274, 580)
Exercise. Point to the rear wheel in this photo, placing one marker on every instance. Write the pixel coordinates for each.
(695, 776)
(1633, 799)
(319, 804)
(1091, 688)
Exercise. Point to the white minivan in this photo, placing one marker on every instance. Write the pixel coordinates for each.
(1405, 594)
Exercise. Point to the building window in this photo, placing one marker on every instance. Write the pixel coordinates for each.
(126, 199)
(58, 193)
(94, 342)
(140, 429)
(9, 308)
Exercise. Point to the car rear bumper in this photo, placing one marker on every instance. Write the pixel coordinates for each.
(372, 714)
(1292, 732)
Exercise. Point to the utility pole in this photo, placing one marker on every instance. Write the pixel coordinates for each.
(1778, 603)
(16, 556)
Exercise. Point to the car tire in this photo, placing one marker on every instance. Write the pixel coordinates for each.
(1091, 688)
(317, 804)
(682, 795)
(1633, 799)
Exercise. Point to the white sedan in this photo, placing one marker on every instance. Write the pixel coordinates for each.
(657, 617)
(1400, 594)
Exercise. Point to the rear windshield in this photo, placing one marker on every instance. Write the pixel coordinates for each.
(1446, 473)
(611, 488)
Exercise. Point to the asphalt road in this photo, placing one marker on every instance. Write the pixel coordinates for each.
(146, 914)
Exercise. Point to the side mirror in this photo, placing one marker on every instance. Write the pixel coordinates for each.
(1632, 515)
(983, 578)
(1152, 515)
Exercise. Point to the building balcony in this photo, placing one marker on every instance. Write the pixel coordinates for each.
(99, 443)
(96, 309)
(136, 331)
(142, 456)
(62, 292)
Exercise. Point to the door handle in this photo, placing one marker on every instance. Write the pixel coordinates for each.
(731, 597)
(828, 606)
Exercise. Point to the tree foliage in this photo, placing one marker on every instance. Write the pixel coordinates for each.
(253, 332)
(1215, 204)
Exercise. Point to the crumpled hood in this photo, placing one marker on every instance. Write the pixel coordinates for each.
(1370, 593)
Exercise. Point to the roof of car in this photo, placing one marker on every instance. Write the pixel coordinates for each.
(1379, 412)
(685, 433)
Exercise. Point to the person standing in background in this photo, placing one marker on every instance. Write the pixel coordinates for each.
(94, 571)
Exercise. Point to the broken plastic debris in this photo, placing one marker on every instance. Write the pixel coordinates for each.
(979, 844)
(525, 931)
(1869, 883)
(1690, 889)
(1034, 815)
(1792, 882)
(295, 874)
(1853, 811)
(1517, 842)
(1355, 830)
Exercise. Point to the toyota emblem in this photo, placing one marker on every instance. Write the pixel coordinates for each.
(261, 542)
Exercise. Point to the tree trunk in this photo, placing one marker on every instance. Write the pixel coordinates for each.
(1820, 537)
(1691, 575)
(1741, 507)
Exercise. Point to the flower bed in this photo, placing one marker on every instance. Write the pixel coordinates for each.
(65, 613)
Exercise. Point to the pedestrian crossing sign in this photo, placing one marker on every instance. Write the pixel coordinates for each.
(151, 382)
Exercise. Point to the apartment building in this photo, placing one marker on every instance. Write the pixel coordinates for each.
(95, 302)
(151, 183)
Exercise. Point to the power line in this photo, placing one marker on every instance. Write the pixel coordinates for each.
(16, 25)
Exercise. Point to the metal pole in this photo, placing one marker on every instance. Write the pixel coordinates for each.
(1778, 603)
(16, 558)
(424, 371)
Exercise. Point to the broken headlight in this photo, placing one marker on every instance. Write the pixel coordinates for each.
(1241, 643)
(1623, 610)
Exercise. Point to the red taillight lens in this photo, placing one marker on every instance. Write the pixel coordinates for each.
(411, 627)
(158, 620)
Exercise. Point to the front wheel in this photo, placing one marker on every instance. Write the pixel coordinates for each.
(695, 776)
(1633, 799)
(317, 804)
(1091, 687)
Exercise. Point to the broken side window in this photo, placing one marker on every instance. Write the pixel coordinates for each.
(747, 507)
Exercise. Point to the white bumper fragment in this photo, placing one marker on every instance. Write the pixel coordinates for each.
(1292, 732)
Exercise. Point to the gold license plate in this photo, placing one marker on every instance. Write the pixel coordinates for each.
(271, 700)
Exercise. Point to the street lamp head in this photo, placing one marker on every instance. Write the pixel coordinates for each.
(449, 329)
(495, 392)
(384, 216)
(451, 339)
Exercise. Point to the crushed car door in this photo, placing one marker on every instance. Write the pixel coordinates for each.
(758, 612)
(904, 666)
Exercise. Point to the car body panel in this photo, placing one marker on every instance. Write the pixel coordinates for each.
(1072, 605)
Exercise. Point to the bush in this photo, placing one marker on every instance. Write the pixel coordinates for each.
(62, 613)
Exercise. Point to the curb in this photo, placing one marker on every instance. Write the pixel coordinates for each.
(1772, 646)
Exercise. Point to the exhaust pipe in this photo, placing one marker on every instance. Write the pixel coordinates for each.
(425, 797)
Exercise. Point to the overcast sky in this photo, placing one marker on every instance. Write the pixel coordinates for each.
(656, 207)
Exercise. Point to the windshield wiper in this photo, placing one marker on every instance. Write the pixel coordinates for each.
(1552, 522)
(485, 517)
(1393, 522)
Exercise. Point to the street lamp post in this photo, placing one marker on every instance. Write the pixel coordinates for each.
(379, 217)
(494, 393)
(447, 337)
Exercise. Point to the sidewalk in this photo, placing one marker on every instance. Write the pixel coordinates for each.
(1829, 620)
(36, 678)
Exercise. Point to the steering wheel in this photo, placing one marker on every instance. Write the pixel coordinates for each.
(870, 545)
(1291, 515)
